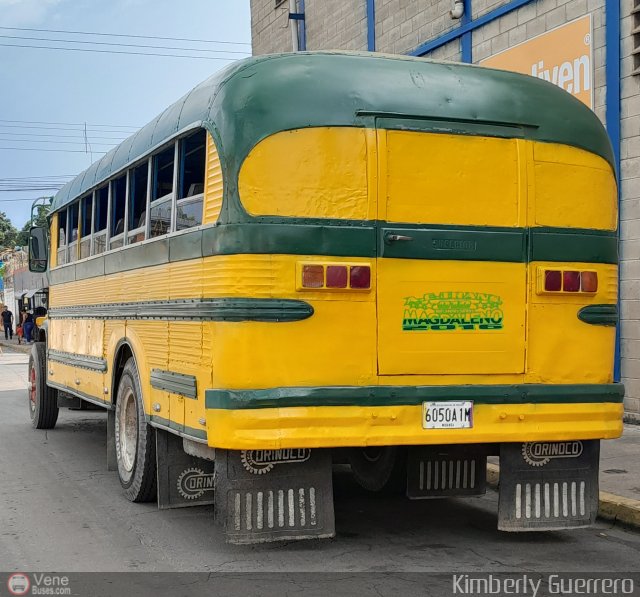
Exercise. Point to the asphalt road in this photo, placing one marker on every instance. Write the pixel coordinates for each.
(60, 509)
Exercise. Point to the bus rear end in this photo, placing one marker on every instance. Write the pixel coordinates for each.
(440, 291)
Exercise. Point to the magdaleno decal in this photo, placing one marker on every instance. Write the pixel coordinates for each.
(259, 462)
(442, 311)
(540, 453)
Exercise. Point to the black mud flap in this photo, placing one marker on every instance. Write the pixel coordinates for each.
(183, 480)
(274, 495)
(446, 471)
(548, 485)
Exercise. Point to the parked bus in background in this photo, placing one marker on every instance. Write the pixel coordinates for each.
(396, 263)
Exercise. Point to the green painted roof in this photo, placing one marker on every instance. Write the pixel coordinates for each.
(254, 98)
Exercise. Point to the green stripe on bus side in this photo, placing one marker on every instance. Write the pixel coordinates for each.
(340, 238)
(587, 246)
(181, 429)
(217, 309)
(412, 395)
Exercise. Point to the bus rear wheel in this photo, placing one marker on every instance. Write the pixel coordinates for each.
(135, 440)
(379, 468)
(43, 400)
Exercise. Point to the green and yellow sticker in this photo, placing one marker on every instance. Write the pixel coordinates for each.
(441, 311)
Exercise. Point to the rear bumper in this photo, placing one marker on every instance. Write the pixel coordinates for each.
(391, 415)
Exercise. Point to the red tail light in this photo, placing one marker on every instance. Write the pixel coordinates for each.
(337, 276)
(553, 281)
(589, 281)
(571, 281)
(312, 276)
(360, 276)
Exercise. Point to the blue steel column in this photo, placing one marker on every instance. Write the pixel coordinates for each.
(371, 25)
(467, 27)
(612, 70)
(466, 50)
(302, 31)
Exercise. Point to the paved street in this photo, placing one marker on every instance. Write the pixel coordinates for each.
(60, 509)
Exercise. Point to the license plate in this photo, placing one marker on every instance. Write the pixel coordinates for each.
(447, 415)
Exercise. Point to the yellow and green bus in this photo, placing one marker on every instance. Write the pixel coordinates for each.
(399, 264)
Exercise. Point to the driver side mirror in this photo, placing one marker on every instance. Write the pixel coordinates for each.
(38, 250)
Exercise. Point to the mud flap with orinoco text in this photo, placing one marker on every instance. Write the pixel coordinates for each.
(274, 495)
(183, 480)
(548, 485)
(446, 471)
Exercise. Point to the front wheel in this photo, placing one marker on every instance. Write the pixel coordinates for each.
(135, 440)
(43, 400)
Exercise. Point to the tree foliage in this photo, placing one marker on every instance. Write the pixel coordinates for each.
(8, 233)
(22, 239)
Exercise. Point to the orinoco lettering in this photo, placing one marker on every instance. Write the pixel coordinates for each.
(259, 462)
(193, 482)
(540, 453)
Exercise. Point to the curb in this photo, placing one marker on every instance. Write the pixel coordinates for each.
(26, 348)
(612, 507)
(631, 418)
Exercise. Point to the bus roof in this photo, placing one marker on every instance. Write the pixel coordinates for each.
(256, 97)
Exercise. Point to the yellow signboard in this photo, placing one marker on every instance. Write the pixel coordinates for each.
(563, 56)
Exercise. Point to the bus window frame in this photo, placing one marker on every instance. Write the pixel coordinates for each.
(124, 236)
(63, 247)
(83, 236)
(73, 245)
(180, 201)
(167, 197)
(144, 228)
(96, 234)
(121, 236)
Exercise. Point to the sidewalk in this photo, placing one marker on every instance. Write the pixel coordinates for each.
(13, 345)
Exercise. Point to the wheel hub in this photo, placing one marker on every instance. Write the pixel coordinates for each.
(128, 436)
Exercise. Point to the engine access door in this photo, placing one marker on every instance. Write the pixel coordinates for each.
(451, 246)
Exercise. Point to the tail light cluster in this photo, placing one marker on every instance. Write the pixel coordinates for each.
(334, 276)
(555, 280)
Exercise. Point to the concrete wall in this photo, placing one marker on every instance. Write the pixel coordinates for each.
(630, 215)
(402, 25)
(270, 31)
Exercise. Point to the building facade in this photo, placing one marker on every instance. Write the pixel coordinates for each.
(584, 46)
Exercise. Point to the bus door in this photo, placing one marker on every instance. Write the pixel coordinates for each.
(451, 285)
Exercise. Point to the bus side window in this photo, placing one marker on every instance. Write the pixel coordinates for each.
(62, 237)
(118, 202)
(86, 218)
(72, 231)
(162, 192)
(137, 213)
(100, 224)
(191, 180)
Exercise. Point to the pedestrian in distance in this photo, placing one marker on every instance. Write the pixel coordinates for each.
(27, 325)
(7, 323)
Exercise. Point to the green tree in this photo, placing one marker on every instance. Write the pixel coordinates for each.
(23, 236)
(8, 232)
(40, 220)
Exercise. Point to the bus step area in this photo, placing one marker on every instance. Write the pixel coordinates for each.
(446, 471)
(274, 495)
(548, 485)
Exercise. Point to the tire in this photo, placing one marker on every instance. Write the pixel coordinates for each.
(135, 439)
(43, 400)
(380, 468)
